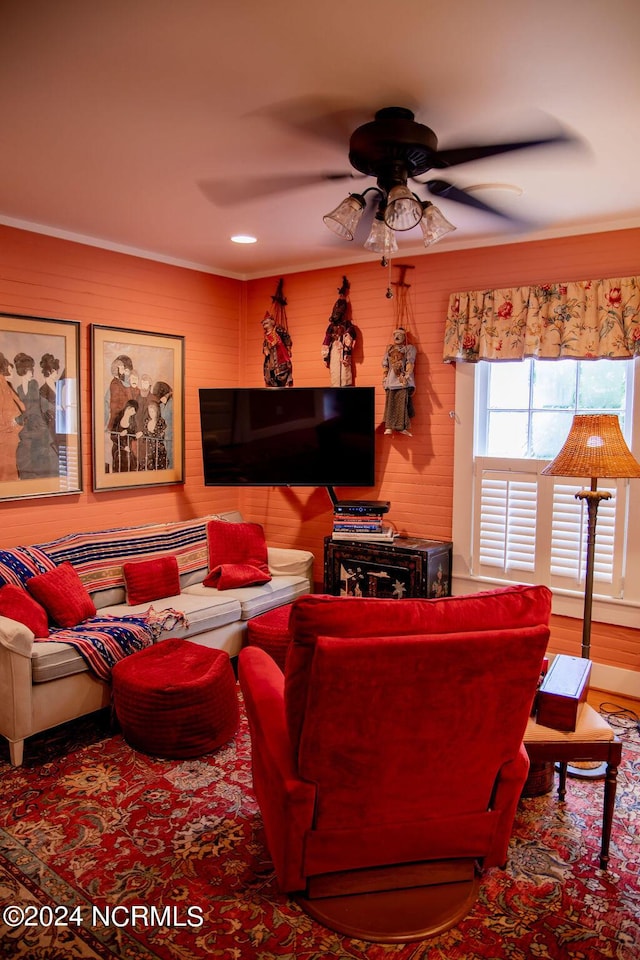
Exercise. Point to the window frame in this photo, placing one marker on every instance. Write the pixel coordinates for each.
(567, 601)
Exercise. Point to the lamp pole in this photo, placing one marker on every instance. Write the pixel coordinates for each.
(593, 498)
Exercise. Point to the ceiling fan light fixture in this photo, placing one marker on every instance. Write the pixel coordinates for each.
(434, 224)
(344, 220)
(381, 238)
(403, 210)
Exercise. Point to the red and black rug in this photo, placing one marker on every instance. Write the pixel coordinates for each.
(105, 853)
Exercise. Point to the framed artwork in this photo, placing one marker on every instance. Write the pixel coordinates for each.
(138, 408)
(40, 453)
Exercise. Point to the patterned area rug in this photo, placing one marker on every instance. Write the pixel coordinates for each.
(105, 853)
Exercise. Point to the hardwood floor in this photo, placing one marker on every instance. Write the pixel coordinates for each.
(596, 697)
(606, 702)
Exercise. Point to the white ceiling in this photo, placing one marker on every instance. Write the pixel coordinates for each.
(118, 117)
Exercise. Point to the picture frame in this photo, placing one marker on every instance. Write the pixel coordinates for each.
(40, 437)
(138, 408)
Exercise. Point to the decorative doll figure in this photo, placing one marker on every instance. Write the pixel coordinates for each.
(398, 363)
(339, 340)
(276, 347)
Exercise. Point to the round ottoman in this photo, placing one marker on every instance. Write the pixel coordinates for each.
(176, 699)
(270, 631)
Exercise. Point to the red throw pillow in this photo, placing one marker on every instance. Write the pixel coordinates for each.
(154, 579)
(236, 546)
(19, 605)
(229, 575)
(63, 595)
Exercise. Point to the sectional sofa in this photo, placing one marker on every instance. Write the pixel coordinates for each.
(48, 681)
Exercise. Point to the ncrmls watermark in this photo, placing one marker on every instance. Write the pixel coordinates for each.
(121, 915)
(141, 915)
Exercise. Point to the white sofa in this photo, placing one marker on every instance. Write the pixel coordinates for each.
(45, 683)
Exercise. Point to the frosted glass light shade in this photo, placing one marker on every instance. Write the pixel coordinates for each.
(434, 224)
(381, 239)
(403, 210)
(346, 216)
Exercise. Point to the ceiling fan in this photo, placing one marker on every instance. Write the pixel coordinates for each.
(394, 149)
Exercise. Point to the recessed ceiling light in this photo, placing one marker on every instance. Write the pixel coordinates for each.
(244, 238)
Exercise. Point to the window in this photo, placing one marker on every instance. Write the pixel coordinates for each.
(528, 406)
(513, 525)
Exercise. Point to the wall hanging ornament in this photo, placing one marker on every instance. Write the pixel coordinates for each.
(277, 343)
(339, 340)
(399, 364)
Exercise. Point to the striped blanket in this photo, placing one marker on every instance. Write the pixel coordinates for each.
(104, 640)
(98, 557)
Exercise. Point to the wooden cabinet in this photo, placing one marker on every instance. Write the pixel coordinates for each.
(405, 567)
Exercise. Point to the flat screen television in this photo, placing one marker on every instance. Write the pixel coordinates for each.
(290, 436)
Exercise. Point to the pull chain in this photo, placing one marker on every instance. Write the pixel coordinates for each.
(389, 293)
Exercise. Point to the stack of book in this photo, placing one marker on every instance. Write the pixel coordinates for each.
(361, 520)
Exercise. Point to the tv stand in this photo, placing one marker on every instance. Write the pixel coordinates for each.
(406, 567)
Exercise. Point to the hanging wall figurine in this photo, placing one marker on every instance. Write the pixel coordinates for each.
(399, 385)
(340, 339)
(277, 343)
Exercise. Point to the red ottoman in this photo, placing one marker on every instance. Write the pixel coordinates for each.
(270, 631)
(176, 699)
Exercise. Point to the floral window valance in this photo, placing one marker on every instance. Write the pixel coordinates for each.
(585, 319)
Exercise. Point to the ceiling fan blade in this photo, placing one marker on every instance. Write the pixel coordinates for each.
(228, 193)
(456, 155)
(319, 117)
(440, 188)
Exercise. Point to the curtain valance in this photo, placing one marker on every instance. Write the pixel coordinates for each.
(584, 319)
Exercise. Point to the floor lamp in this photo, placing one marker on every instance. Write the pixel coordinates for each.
(595, 448)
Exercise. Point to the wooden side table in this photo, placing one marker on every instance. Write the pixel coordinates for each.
(593, 739)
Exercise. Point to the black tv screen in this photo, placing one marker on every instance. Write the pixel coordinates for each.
(290, 436)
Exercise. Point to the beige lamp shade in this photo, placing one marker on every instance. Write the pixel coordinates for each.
(595, 447)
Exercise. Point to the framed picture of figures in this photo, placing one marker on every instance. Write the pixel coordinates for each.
(40, 453)
(138, 408)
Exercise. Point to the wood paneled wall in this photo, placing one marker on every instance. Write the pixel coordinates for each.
(47, 277)
(221, 320)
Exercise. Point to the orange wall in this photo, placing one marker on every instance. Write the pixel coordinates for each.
(221, 322)
(47, 277)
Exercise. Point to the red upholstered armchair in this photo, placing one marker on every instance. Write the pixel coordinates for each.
(389, 757)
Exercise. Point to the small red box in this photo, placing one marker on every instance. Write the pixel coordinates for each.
(563, 688)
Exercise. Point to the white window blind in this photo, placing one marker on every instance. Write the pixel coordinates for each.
(532, 529)
(507, 528)
(569, 538)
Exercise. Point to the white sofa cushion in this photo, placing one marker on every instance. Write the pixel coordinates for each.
(202, 612)
(255, 600)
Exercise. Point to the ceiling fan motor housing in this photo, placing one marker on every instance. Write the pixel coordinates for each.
(393, 147)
